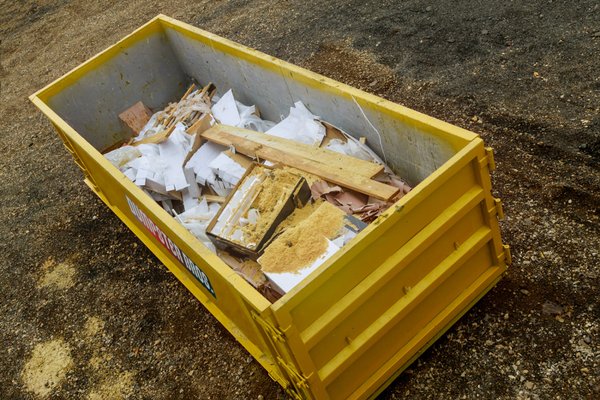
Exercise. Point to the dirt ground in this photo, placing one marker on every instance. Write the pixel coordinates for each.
(87, 311)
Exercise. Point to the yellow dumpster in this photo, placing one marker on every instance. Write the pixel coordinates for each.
(363, 316)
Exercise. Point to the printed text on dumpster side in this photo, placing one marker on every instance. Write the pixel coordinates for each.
(172, 247)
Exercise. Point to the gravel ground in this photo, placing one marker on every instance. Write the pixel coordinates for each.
(79, 289)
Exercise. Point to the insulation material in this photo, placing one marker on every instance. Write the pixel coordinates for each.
(121, 156)
(197, 219)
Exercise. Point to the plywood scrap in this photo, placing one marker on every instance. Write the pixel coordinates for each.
(331, 133)
(263, 198)
(136, 117)
(202, 124)
(333, 167)
(251, 272)
(213, 198)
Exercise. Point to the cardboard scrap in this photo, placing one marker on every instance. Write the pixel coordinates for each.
(136, 117)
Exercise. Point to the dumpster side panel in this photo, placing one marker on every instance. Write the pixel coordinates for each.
(144, 70)
(225, 294)
(372, 307)
(274, 86)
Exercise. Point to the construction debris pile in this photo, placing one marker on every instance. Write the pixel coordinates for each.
(272, 200)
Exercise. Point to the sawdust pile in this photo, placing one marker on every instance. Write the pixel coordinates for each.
(57, 276)
(93, 326)
(276, 188)
(46, 369)
(303, 243)
(114, 387)
(299, 215)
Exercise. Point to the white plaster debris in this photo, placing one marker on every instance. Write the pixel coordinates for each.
(196, 220)
(227, 169)
(226, 111)
(201, 160)
(173, 152)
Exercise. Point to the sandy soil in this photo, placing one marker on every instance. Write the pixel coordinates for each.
(88, 312)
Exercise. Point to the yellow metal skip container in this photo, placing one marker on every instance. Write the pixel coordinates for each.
(361, 318)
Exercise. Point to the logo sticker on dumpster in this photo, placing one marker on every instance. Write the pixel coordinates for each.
(172, 247)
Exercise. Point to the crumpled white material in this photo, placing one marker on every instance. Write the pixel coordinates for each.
(301, 126)
(121, 156)
(197, 219)
(229, 111)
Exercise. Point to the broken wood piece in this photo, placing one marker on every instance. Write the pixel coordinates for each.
(334, 167)
(362, 140)
(156, 139)
(203, 123)
(136, 117)
(249, 140)
(331, 132)
(239, 158)
(187, 92)
(213, 198)
(209, 90)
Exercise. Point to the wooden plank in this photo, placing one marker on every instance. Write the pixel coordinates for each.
(214, 198)
(156, 139)
(360, 167)
(337, 168)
